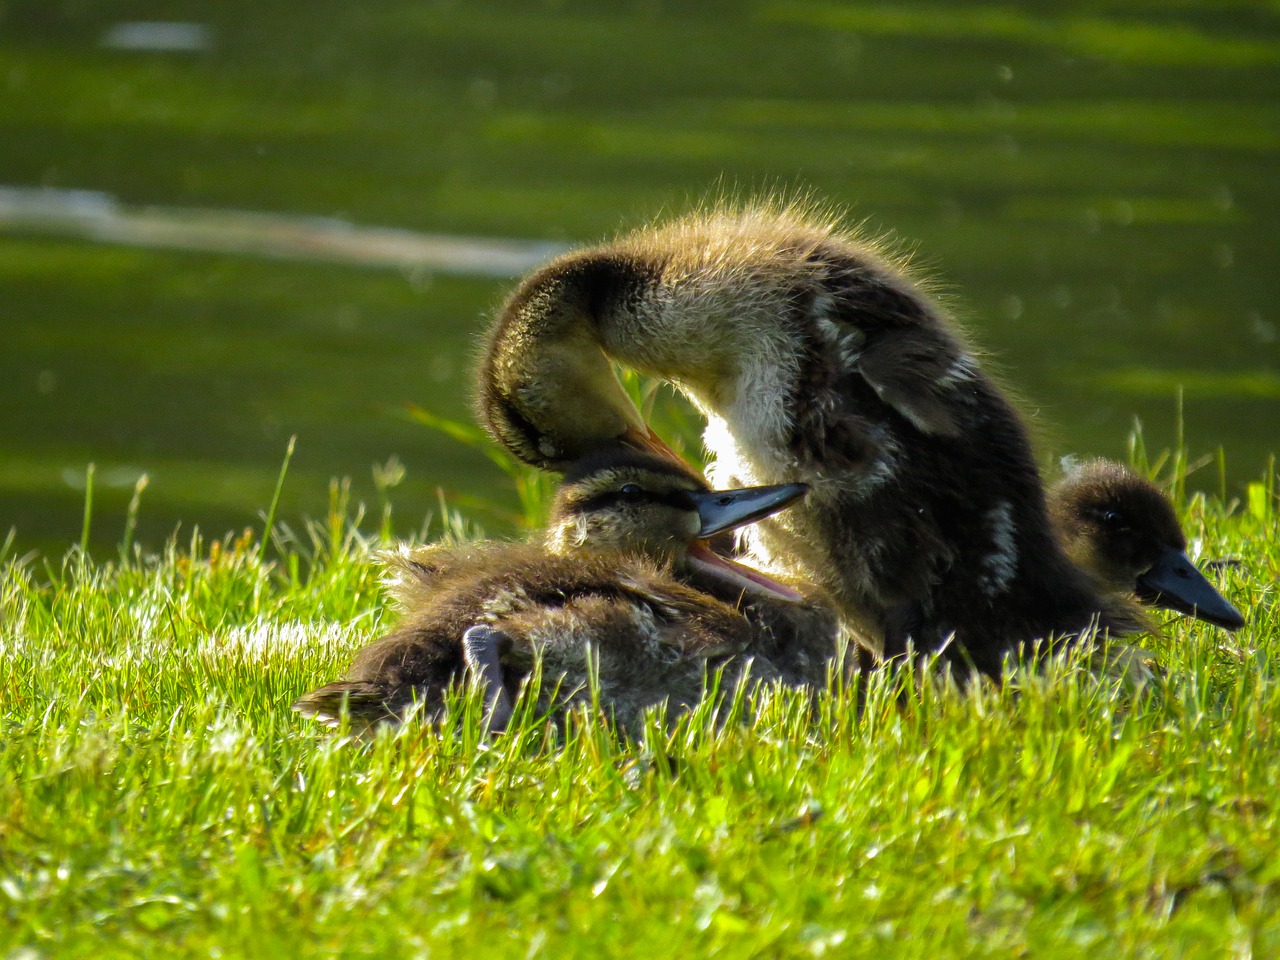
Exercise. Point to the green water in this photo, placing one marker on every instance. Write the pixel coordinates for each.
(1094, 184)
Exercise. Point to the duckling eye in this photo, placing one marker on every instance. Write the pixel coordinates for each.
(631, 490)
(1113, 519)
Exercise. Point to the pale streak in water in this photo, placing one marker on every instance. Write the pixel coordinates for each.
(99, 217)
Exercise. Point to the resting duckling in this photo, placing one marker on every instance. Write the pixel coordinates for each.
(608, 580)
(815, 360)
(1118, 526)
(578, 593)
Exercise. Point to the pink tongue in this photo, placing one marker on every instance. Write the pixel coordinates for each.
(739, 575)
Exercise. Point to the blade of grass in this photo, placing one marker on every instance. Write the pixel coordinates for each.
(275, 500)
(88, 509)
(131, 515)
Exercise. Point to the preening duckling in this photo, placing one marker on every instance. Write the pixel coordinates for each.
(814, 359)
(608, 580)
(1119, 526)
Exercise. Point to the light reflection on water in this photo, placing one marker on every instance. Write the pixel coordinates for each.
(96, 216)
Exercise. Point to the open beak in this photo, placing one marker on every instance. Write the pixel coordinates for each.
(721, 510)
(1175, 583)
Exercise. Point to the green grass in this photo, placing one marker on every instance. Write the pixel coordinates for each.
(158, 798)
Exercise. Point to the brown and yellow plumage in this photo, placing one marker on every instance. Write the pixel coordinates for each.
(814, 358)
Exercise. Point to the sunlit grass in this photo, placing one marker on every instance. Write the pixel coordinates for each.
(157, 796)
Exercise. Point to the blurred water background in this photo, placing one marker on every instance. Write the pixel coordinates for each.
(222, 225)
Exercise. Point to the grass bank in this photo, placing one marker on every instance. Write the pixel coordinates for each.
(158, 798)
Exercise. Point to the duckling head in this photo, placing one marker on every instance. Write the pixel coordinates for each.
(546, 389)
(704, 302)
(1119, 527)
(620, 499)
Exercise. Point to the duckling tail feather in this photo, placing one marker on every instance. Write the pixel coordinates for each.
(364, 701)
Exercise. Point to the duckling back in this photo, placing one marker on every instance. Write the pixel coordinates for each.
(645, 636)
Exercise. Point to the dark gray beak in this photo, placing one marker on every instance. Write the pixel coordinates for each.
(1176, 584)
(722, 510)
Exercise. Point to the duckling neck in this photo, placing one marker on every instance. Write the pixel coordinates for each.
(578, 538)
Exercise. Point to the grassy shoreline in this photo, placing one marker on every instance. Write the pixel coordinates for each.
(157, 797)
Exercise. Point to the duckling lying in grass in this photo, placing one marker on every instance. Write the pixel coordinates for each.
(814, 359)
(618, 574)
(610, 579)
